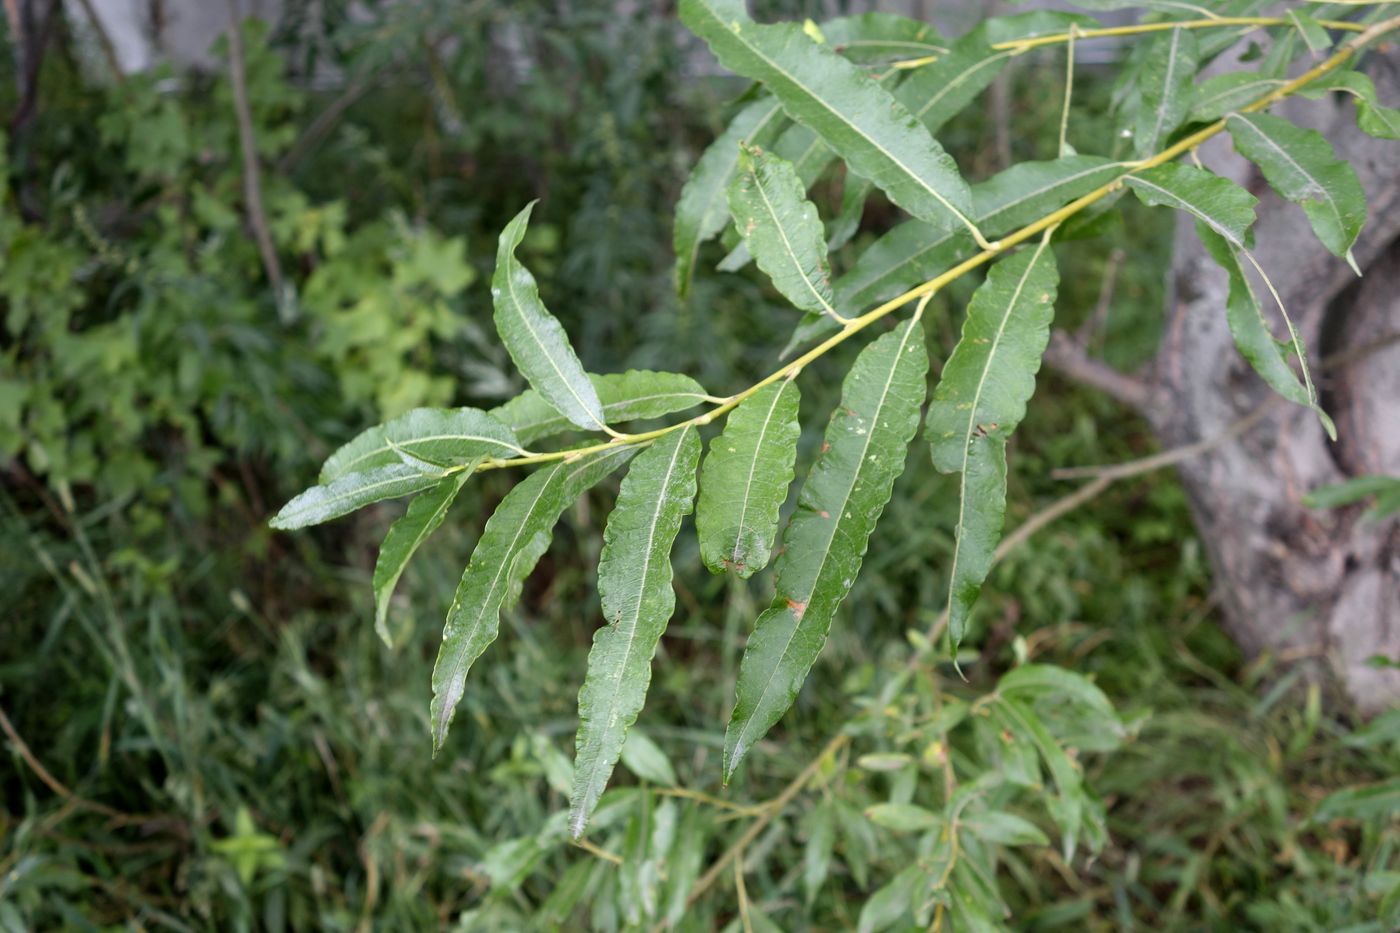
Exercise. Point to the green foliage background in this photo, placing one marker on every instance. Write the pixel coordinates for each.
(235, 747)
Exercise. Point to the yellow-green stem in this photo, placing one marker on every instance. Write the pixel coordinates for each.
(1017, 46)
(855, 325)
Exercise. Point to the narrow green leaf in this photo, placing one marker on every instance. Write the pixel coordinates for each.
(1351, 491)
(937, 92)
(630, 396)
(1378, 121)
(646, 760)
(350, 492)
(701, 211)
(848, 108)
(424, 516)
(1313, 34)
(1033, 681)
(535, 339)
(514, 539)
(1300, 165)
(894, 900)
(745, 480)
(1221, 204)
(1024, 725)
(902, 817)
(444, 436)
(845, 492)
(782, 230)
(1003, 828)
(1361, 803)
(634, 584)
(854, 193)
(1253, 338)
(980, 399)
(872, 38)
(1372, 117)
(1221, 94)
(1167, 91)
(816, 854)
(684, 863)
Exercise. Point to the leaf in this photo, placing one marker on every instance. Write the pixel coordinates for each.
(871, 38)
(978, 402)
(1002, 828)
(845, 492)
(535, 339)
(816, 854)
(848, 108)
(937, 92)
(1221, 204)
(630, 396)
(701, 210)
(1253, 338)
(1167, 91)
(902, 817)
(514, 539)
(1372, 117)
(745, 480)
(424, 516)
(782, 230)
(854, 193)
(1023, 724)
(886, 906)
(443, 436)
(1300, 165)
(1361, 803)
(634, 584)
(1351, 491)
(1312, 32)
(1221, 94)
(350, 492)
(646, 760)
(684, 862)
(1040, 680)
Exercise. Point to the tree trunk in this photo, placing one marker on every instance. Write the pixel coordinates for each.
(1317, 587)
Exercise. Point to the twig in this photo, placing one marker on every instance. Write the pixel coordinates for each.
(771, 810)
(252, 182)
(320, 126)
(1069, 357)
(53, 783)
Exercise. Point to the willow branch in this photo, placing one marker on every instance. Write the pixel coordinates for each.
(1052, 219)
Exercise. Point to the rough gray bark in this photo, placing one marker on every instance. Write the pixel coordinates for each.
(1303, 585)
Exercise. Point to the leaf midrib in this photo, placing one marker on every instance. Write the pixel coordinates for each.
(525, 319)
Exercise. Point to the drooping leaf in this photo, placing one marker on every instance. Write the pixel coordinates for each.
(634, 584)
(845, 492)
(442, 436)
(1167, 91)
(630, 396)
(1025, 726)
(1221, 204)
(535, 339)
(1300, 165)
(646, 760)
(352, 491)
(701, 211)
(684, 863)
(844, 225)
(816, 854)
(1372, 117)
(848, 108)
(893, 900)
(1311, 30)
(745, 480)
(512, 542)
(978, 402)
(424, 516)
(1034, 681)
(782, 230)
(1253, 338)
